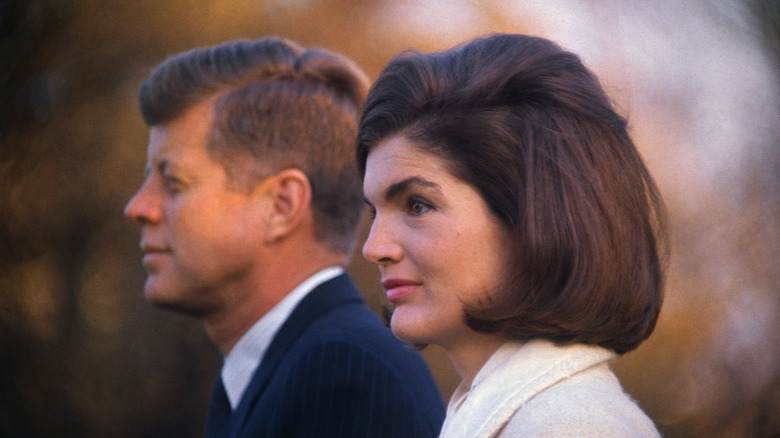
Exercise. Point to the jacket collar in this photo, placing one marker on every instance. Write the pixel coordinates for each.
(512, 376)
(332, 293)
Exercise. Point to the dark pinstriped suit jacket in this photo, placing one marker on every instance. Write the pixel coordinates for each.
(334, 370)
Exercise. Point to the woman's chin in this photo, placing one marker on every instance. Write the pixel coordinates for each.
(407, 331)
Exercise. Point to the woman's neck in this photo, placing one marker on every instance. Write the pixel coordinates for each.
(469, 355)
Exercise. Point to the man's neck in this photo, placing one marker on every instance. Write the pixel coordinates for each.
(227, 326)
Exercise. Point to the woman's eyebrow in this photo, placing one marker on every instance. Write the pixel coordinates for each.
(396, 189)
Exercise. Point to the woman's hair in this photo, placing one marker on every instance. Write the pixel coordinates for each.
(277, 106)
(531, 129)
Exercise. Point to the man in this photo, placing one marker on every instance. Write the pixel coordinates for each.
(249, 209)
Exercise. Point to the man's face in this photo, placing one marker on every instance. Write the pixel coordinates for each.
(199, 237)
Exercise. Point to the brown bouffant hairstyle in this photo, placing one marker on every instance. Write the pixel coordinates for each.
(277, 106)
(528, 126)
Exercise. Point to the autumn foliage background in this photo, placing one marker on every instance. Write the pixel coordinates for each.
(82, 353)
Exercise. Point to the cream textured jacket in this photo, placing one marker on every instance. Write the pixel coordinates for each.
(538, 389)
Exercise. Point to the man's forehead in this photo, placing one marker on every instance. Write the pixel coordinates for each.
(169, 152)
(194, 125)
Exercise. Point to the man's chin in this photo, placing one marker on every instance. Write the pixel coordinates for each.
(172, 296)
(179, 308)
(166, 301)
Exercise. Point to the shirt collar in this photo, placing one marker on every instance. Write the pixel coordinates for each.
(244, 358)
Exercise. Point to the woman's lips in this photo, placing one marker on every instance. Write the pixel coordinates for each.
(398, 288)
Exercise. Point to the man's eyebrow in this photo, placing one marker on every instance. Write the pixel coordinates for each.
(160, 166)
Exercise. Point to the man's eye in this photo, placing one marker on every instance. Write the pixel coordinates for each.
(173, 184)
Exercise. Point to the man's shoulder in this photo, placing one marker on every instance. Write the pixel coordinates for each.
(336, 330)
(335, 363)
(336, 310)
(352, 327)
(351, 336)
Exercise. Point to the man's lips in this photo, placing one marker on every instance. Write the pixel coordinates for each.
(151, 252)
(147, 248)
(398, 288)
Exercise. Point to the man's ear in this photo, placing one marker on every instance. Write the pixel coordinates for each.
(290, 203)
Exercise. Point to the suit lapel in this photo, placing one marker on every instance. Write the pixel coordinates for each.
(219, 411)
(320, 300)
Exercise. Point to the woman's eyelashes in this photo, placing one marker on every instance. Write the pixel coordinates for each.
(416, 206)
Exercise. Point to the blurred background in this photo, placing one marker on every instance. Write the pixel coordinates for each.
(82, 354)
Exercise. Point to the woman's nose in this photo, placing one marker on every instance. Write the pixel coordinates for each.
(381, 247)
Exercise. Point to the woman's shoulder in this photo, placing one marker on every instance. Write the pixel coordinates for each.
(589, 403)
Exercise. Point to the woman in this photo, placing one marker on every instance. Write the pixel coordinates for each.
(516, 226)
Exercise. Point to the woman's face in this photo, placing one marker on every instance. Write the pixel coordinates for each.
(435, 241)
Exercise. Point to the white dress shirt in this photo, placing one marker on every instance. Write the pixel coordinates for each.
(242, 361)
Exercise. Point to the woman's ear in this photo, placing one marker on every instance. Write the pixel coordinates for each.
(290, 203)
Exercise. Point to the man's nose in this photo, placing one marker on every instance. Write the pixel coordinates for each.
(143, 208)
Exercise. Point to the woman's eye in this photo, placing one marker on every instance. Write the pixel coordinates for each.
(418, 207)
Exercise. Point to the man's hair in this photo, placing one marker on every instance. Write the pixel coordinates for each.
(277, 106)
(530, 128)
